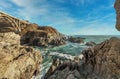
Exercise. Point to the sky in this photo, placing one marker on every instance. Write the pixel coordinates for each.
(71, 17)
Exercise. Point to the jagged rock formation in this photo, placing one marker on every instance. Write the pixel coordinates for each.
(117, 7)
(10, 23)
(30, 27)
(99, 62)
(50, 35)
(5, 26)
(43, 36)
(10, 37)
(76, 39)
(16, 61)
(90, 43)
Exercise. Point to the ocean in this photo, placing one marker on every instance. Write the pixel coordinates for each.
(68, 51)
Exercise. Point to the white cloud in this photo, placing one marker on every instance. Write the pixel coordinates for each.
(49, 13)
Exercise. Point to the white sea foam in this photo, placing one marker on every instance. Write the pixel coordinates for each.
(67, 56)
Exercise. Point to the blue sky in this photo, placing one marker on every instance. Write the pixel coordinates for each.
(75, 17)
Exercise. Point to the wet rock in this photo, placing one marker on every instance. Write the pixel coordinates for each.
(99, 62)
(90, 43)
(76, 39)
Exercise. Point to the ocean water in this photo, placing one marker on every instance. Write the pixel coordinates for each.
(68, 51)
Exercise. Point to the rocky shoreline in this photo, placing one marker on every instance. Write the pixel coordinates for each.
(18, 60)
(98, 62)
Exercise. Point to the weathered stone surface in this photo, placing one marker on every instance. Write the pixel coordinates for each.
(43, 36)
(90, 43)
(76, 39)
(30, 27)
(5, 25)
(10, 37)
(117, 7)
(99, 62)
(18, 62)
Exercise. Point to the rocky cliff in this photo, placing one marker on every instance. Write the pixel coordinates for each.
(31, 34)
(16, 61)
(43, 36)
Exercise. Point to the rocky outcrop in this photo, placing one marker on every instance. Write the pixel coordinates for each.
(61, 63)
(30, 27)
(90, 43)
(43, 36)
(117, 7)
(99, 62)
(16, 61)
(10, 37)
(6, 26)
(76, 39)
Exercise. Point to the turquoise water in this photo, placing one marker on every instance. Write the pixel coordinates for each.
(68, 51)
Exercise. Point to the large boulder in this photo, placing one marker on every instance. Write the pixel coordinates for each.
(76, 39)
(99, 62)
(43, 36)
(90, 43)
(18, 62)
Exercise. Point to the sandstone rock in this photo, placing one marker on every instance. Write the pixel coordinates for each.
(30, 27)
(90, 43)
(10, 37)
(99, 62)
(18, 62)
(6, 26)
(76, 39)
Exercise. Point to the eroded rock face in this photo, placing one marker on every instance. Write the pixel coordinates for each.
(76, 39)
(10, 37)
(29, 27)
(43, 36)
(5, 25)
(90, 43)
(16, 61)
(117, 7)
(99, 62)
